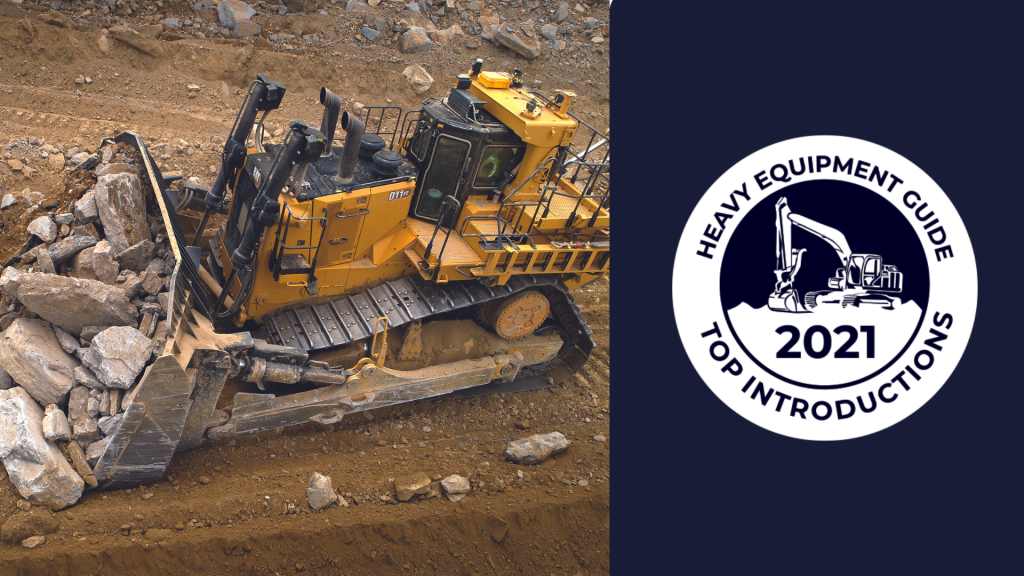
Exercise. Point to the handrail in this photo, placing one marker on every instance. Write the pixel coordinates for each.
(449, 202)
(281, 243)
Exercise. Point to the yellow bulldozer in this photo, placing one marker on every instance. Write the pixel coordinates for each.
(432, 253)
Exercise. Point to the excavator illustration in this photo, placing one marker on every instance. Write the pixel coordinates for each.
(863, 280)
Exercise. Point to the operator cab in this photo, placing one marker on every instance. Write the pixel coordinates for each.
(460, 150)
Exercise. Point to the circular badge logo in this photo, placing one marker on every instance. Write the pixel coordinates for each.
(825, 288)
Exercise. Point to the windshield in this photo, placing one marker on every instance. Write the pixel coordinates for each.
(496, 161)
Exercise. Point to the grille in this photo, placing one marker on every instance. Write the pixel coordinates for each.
(465, 104)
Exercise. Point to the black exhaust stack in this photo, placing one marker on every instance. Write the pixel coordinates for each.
(332, 105)
(353, 128)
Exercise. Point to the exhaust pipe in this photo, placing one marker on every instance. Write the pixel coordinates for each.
(353, 128)
(332, 105)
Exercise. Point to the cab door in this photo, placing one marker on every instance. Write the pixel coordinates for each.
(443, 177)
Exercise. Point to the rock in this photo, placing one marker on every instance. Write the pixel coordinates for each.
(81, 463)
(90, 332)
(33, 541)
(369, 33)
(86, 378)
(455, 487)
(94, 408)
(95, 450)
(150, 30)
(171, 23)
(16, 165)
(8, 200)
(85, 208)
(408, 486)
(67, 248)
(23, 505)
(524, 46)
(68, 342)
(320, 494)
(35, 466)
(32, 355)
(600, 438)
(413, 7)
(55, 424)
(245, 30)
(122, 210)
(562, 12)
(23, 525)
(103, 407)
(117, 168)
(415, 40)
(137, 257)
(82, 263)
(117, 356)
(590, 23)
(204, 480)
(152, 283)
(549, 31)
(45, 263)
(56, 161)
(452, 34)
(73, 303)
(84, 426)
(79, 158)
(536, 448)
(231, 12)
(114, 399)
(6, 382)
(522, 424)
(418, 78)
(44, 228)
(109, 424)
(132, 285)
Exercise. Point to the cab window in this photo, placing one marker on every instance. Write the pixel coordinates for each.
(442, 178)
(494, 163)
(420, 141)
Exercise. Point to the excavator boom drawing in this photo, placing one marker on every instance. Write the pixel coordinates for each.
(862, 280)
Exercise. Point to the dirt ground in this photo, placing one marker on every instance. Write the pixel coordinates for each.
(239, 506)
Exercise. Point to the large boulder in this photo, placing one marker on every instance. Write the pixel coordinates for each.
(137, 257)
(67, 248)
(44, 228)
(231, 12)
(523, 45)
(32, 355)
(419, 80)
(37, 467)
(117, 356)
(122, 209)
(415, 40)
(71, 303)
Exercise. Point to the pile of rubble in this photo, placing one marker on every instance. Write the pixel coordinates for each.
(82, 306)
